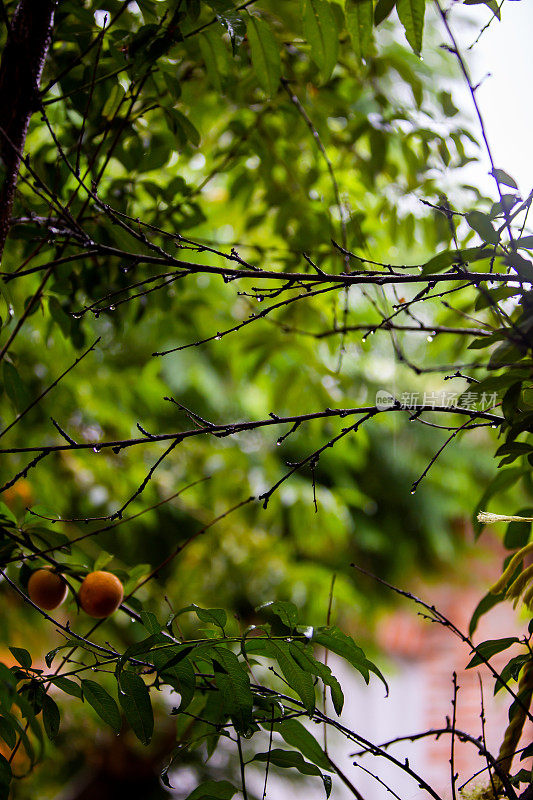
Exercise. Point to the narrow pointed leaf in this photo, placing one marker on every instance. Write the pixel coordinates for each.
(359, 21)
(320, 30)
(51, 717)
(411, 14)
(287, 759)
(383, 10)
(265, 55)
(134, 698)
(5, 778)
(303, 740)
(486, 650)
(103, 703)
(213, 790)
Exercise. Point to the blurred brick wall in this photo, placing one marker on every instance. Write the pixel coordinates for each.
(436, 653)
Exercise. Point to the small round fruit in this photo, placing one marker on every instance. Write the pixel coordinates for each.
(47, 589)
(100, 594)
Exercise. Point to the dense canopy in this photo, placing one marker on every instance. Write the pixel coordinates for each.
(256, 327)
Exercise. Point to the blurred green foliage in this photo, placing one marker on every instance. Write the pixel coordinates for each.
(244, 138)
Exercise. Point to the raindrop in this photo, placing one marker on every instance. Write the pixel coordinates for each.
(429, 338)
(413, 491)
(218, 336)
(96, 449)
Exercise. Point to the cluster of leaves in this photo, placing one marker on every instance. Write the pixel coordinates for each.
(211, 674)
(182, 149)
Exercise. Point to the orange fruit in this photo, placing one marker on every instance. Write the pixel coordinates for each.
(100, 594)
(47, 589)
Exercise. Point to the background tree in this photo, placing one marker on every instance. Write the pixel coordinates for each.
(228, 220)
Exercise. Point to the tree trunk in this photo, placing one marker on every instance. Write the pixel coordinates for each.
(21, 67)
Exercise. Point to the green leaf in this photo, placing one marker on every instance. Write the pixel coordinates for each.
(343, 645)
(7, 514)
(265, 54)
(103, 703)
(177, 671)
(150, 622)
(511, 671)
(321, 32)
(102, 560)
(213, 790)
(449, 257)
(298, 679)
(286, 611)
(58, 315)
(510, 403)
(50, 538)
(300, 738)
(134, 697)
(492, 4)
(411, 14)
(114, 101)
(231, 678)
(7, 676)
(523, 423)
(503, 355)
(14, 387)
(67, 686)
(448, 106)
(517, 533)
(215, 57)
(383, 10)
(26, 741)
(303, 656)
(214, 616)
(231, 21)
(5, 778)
(523, 266)
(170, 656)
(144, 646)
(288, 758)
(514, 450)
(51, 717)
(482, 225)
(8, 732)
(503, 177)
(22, 656)
(517, 707)
(49, 657)
(491, 647)
(359, 21)
(182, 127)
